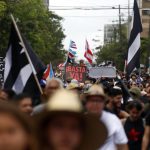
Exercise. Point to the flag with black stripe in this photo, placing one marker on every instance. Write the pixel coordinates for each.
(133, 58)
(18, 74)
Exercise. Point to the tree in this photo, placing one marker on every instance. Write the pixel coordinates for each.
(41, 27)
(145, 51)
(115, 51)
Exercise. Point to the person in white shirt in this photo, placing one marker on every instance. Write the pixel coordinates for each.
(95, 102)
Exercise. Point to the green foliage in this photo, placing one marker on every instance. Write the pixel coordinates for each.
(115, 51)
(41, 27)
(145, 50)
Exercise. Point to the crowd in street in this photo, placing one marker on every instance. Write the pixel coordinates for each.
(71, 116)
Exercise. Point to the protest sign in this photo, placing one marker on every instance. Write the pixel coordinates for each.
(75, 72)
(98, 72)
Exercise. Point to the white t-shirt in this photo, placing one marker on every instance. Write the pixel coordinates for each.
(116, 133)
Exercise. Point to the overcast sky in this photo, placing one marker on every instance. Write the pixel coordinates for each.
(87, 24)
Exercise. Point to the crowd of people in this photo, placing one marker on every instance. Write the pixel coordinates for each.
(71, 116)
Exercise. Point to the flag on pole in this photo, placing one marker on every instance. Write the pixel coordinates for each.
(47, 75)
(51, 74)
(18, 74)
(88, 53)
(133, 58)
(72, 51)
(46, 72)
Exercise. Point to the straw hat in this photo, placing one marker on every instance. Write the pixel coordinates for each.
(96, 90)
(72, 86)
(67, 102)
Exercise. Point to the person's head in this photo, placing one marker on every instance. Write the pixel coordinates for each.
(82, 62)
(6, 95)
(64, 127)
(135, 92)
(147, 89)
(134, 109)
(95, 99)
(133, 77)
(15, 129)
(133, 84)
(116, 97)
(24, 103)
(141, 87)
(52, 85)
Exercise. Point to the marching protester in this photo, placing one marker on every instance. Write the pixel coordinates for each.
(50, 88)
(24, 103)
(16, 131)
(134, 125)
(146, 138)
(6, 95)
(65, 127)
(95, 103)
(114, 103)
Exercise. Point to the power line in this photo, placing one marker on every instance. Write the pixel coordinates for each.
(101, 6)
(96, 16)
(108, 8)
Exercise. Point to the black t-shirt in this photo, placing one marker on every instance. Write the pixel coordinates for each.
(148, 120)
(134, 132)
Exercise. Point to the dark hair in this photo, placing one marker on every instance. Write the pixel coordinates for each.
(134, 104)
(10, 93)
(114, 92)
(23, 120)
(18, 98)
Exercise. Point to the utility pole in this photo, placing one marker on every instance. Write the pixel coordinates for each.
(120, 32)
(128, 30)
(149, 28)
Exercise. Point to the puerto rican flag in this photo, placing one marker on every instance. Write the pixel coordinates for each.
(72, 50)
(48, 74)
(88, 53)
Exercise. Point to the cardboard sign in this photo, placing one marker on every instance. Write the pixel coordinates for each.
(1, 70)
(98, 72)
(75, 72)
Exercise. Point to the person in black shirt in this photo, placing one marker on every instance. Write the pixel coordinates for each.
(134, 125)
(146, 138)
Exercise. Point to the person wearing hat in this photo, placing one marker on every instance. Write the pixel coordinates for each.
(135, 92)
(65, 127)
(95, 102)
(51, 87)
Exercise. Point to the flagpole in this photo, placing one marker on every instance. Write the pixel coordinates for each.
(28, 57)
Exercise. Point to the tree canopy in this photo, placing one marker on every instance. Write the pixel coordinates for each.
(41, 27)
(116, 51)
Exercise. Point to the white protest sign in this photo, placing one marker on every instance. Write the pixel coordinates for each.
(98, 72)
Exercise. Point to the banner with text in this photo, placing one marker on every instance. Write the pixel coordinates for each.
(75, 72)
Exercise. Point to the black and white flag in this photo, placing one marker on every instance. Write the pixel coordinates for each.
(133, 58)
(18, 74)
(2, 71)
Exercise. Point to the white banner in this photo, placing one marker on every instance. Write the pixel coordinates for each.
(98, 72)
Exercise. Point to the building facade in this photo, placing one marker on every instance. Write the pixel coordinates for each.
(110, 33)
(46, 2)
(145, 18)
